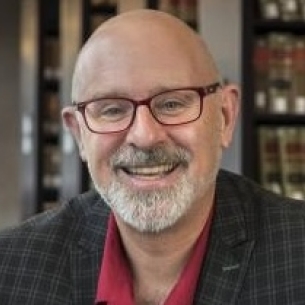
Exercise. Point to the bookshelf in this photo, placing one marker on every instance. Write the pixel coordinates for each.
(273, 108)
(52, 32)
(39, 104)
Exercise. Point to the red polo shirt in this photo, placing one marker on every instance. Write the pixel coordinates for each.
(115, 285)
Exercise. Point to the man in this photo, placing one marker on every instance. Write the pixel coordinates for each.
(164, 226)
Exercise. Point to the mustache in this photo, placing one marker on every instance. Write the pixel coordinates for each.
(133, 156)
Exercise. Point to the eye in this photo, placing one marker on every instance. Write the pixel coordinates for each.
(110, 109)
(171, 106)
(174, 104)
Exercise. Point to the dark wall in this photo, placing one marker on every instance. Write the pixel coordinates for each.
(9, 112)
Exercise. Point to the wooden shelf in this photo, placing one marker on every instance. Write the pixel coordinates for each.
(280, 119)
(265, 26)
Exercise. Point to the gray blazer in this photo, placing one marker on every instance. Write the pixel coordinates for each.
(256, 253)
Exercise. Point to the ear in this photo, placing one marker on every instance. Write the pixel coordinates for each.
(230, 110)
(71, 121)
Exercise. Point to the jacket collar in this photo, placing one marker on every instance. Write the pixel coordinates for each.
(231, 244)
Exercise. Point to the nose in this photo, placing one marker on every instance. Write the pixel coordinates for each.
(145, 132)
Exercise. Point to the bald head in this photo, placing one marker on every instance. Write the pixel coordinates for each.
(142, 44)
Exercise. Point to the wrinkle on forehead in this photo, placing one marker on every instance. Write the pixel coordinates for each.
(138, 37)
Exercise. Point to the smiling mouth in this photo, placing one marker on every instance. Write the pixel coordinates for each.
(150, 171)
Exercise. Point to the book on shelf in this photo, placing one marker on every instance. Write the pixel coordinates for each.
(188, 11)
(51, 113)
(97, 19)
(51, 166)
(183, 9)
(298, 82)
(51, 60)
(302, 9)
(169, 6)
(260, 67)
(290, 159)
(280, 72)
(282, 160)
(270, 172)
(289, 10)
(269, 9)
(284, 10)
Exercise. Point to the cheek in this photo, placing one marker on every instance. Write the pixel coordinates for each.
(98, 150)
(203, 141)
(208, 153)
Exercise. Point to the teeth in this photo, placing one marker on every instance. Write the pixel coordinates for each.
(151, 171)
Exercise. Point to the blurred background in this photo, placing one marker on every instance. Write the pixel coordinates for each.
(39, 165)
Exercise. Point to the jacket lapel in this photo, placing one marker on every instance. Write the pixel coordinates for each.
(84, 273)
(230, 247)
(86, 255)
(223, 274)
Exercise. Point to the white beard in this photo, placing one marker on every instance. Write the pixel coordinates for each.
(149, 211)
(155, 210)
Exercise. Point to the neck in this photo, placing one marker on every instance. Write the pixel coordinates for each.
(157, 259)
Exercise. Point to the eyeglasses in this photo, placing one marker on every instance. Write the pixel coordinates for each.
(171, 107)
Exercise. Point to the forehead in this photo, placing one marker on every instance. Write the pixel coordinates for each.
(140, 63)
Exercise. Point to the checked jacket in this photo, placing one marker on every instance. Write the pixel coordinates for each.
(255, 256)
